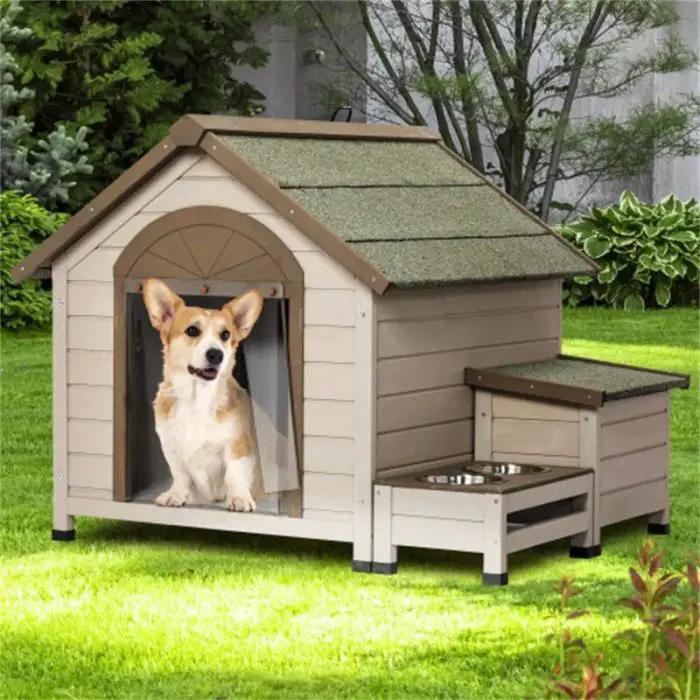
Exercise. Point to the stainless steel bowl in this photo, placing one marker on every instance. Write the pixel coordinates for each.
(506, 469)
(460, 479)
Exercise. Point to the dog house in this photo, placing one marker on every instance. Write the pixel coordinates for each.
(388, 267)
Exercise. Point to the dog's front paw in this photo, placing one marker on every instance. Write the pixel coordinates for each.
(241, 504)
(172, 498)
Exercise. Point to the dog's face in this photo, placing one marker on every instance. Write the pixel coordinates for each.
(198, 341)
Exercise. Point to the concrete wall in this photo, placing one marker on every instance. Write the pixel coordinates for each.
(287, 81)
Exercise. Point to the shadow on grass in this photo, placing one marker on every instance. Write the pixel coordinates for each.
(675, 328)
(265, 552)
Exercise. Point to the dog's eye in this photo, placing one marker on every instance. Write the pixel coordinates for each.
(193, 331)
(225, 335)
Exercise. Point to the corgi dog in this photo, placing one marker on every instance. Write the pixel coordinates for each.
(202, 415)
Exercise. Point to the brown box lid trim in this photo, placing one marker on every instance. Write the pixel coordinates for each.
(503, 382)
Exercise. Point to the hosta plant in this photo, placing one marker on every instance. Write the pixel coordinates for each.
(648, 254)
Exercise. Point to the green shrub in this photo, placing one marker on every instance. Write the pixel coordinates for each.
(23, 224)
(648, 254)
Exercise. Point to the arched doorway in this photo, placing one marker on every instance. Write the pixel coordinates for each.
(208, 255)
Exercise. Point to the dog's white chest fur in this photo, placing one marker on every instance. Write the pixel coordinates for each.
(192, 432)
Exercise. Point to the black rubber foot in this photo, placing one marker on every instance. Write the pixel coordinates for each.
(659, 528)
(585, 552)
(63, 535)
(494, 579)
(363, 567)
(381, 568)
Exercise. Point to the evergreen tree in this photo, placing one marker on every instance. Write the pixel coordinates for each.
(43, 167)
(128, 69)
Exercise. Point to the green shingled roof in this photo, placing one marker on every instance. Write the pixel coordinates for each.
(298, 162)
(411, 210)
(460, 260)
(414, 213)
(615, 381)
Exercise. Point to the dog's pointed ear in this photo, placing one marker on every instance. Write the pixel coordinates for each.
(245, 311)
(162, 303)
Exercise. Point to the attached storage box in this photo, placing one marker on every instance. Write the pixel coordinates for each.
(488, 508)
(576, 412)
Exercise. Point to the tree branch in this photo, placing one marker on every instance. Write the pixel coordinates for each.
(363, 73)
(476, 152)
(600, 12)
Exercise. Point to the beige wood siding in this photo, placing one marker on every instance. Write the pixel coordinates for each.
(425, 339)
(329, 333)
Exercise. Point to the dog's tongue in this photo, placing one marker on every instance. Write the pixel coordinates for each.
(209, 373)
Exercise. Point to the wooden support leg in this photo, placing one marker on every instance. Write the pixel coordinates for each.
(658, 522)
(495, 568)
(384, 557)
(586, 545)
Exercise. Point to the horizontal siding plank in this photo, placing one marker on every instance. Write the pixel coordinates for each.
(548, 493)
(90, 402)
(194, 192)
(512, 407)
(408, 469)
(429, 303)
(329, 307)
(336, 516)
(90, 299)
(90, 437)
(402, 338)
(91, 494)
(424, 408)
(90, 471)
(96, 267)
(425, 444)
(90, 333)
(548, 531)
(123, 214)
(90, 367)
(430, 371)
(635, 468)
(637, 407)
(329, 418)
(552, 438)
(633, 435)
(329, 455)
(436, 533)
(207, 167)
(322, 272)
(128, 231)
(289, 234)
(328, 492)
(328, 381)
(326, 344)
(542, 460)
(633, 502)
(437, 504)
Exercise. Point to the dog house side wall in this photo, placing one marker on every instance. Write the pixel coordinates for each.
(425, 339)
(330, 349)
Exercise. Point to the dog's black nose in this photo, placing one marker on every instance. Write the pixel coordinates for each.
(214, 356)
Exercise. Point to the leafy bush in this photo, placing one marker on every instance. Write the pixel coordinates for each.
(664, 648)
(648, 254)
(23, 224)
(132, 68)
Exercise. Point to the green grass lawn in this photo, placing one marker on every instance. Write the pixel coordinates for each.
(129, 611)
